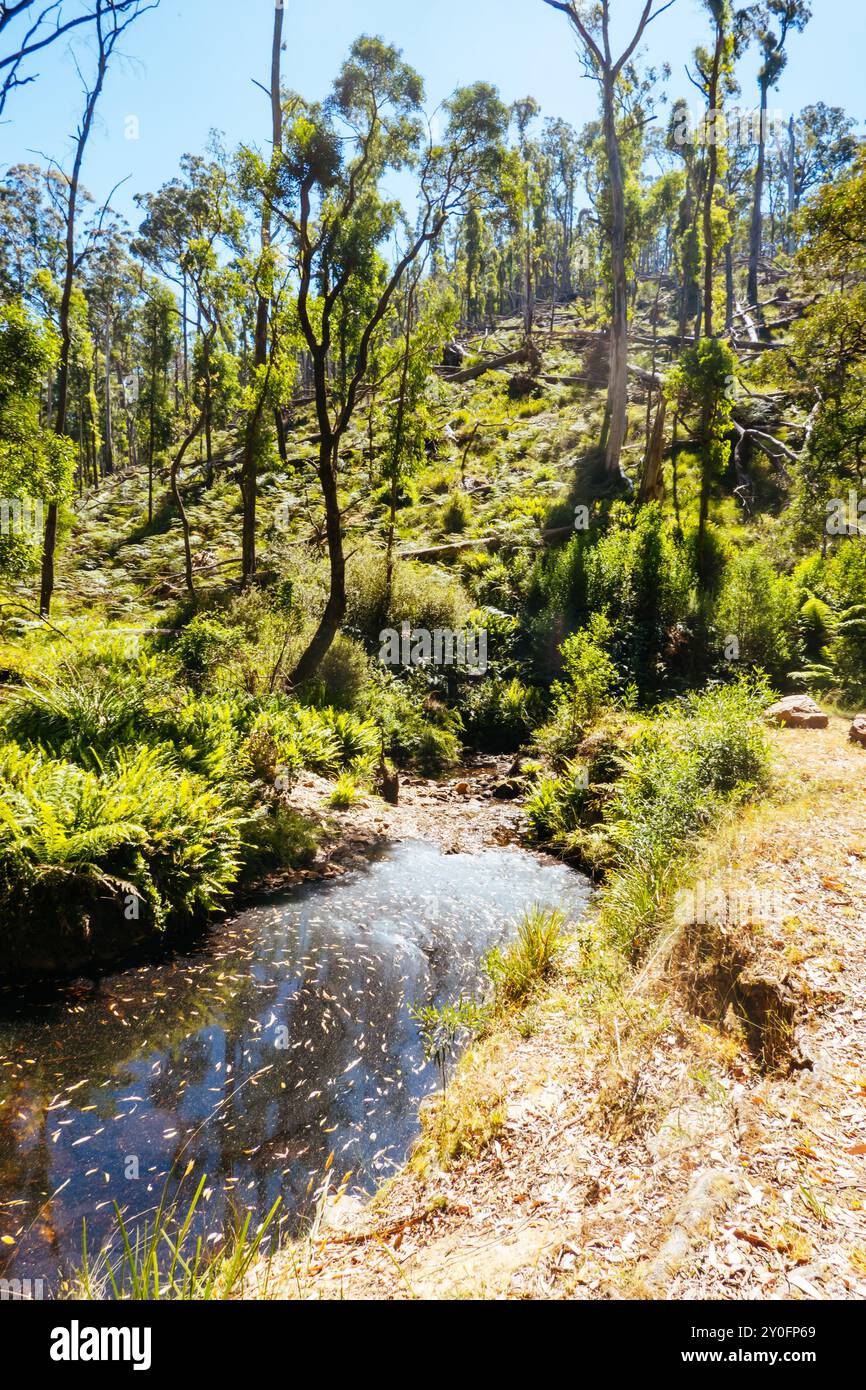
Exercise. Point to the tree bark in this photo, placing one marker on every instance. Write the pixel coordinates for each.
(757, 226)
(617, 391)
(46, 590)
(179, 503)
(335, 608)
(252, 433)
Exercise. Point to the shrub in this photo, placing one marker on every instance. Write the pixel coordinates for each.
(420, 596)
(203, 646)
(345, 793)
(342, 677)
(688, 761)
(83, 711)
(412, 736)
(497, 715)
(433, 750)
(276, 838)
(589, 680)
(456, 514)
(638, 573)
(759, 608)
(357, 739)
(75, 845)
(558, 805)
(517, 969)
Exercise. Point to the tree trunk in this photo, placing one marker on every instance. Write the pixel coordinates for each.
(652, 482)
(46, 588)
(792, 185)
(729, 287)
(617, 391)
(252, 433)
(181, 509)
(712, 175)
(108, 443)
(396, 455)
(335, 608)
(757, 227)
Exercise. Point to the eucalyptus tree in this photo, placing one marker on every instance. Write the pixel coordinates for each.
(714, 78)
(769, 23)
(528, 190)
(28, 27)
(34, 461)
(559, 144)
(31, 230)
(592, 25)
(427, 316)
(326, 194)
(111, 20)
(157, 335)
(263, 273)
(192, 235)
(821, 145)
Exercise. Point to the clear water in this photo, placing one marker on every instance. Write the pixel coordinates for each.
(286, 1037)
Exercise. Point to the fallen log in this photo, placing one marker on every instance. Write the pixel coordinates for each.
(451, 548)
(492, 364)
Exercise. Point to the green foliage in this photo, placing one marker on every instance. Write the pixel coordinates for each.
(426, 740)
(557, 805)
(456, 514)
(588, 685)
(83, 712)
(205, 644)
(77, 847)
(637, 573)
(759, 608)
(498, 714)
(689, 761)
(161, 1260)
(35, 463)
(345, 793)
(446, 1028)
(277, 838)
(517, 969)
(342, 677)
(422, 598)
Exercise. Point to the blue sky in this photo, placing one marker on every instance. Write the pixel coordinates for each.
(191, 67)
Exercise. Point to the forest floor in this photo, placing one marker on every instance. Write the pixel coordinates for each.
(642, 1148)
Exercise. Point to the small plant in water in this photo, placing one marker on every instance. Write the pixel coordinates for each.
(163, 1260)
(445, 1029)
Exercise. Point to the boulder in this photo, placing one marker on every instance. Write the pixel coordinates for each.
(798, 712)
(857, 732)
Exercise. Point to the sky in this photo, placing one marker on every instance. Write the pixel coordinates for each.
(191, 66)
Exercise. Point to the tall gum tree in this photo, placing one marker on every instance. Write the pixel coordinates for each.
(592, 25)
(111, 21)
(770, 23)
(350, 248)
(263, 342)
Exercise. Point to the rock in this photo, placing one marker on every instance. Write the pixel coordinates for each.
(857, 732)
(462, 789)
(798, 712)
(506, 791)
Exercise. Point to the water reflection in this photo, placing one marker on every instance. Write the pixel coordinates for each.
(286, 1038)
